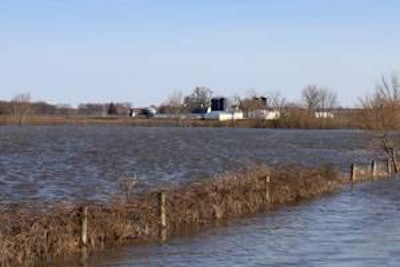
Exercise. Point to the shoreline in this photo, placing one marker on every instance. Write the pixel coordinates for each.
(171, 122)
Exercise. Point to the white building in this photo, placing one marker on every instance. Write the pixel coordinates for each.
(264, 114)
(223, 115)
(324, 115)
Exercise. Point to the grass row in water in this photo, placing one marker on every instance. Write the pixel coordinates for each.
(30, 238)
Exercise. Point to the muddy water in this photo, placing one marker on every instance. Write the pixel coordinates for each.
(85, 162)
(358, 227)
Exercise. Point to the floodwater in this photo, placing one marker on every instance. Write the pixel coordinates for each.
(47, 163)
(358, 227)
(355, 227)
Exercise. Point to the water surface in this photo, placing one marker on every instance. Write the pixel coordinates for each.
(46, 163)
(359, 227)
(351, 228)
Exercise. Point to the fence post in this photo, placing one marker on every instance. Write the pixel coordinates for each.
(84, 226)
(84, 257)
(267, 189)
(353, 176)
(373, 169)
(389, 167)
(163, 216)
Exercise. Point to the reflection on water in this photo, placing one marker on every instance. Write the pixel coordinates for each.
(351, 228)
(84, 162)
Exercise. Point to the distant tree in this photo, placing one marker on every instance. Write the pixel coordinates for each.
(254, 102)
(251, 104)
(277, 101)
(317, 98)
(199, 100)
(112, 110)
(5, 108)
(92, 109)
(43, 108)
(175, 103)
(65, 109)
(21, 107)
(380, 116)
(328, 99)
(310, 97)
(123, 108)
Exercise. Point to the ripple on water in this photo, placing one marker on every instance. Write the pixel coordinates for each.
(85, 162)
(351, 228)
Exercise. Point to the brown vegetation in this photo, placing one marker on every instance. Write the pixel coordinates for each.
(21, 107)
(380, 116)
(28, 237)
(296, 119)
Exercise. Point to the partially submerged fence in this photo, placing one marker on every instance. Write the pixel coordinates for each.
(26, 238)
(369, 172)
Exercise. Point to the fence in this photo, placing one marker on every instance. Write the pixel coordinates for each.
(26, 238)
(369, 172)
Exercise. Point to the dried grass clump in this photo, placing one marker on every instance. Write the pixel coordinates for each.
(244, 192)
(30, 238)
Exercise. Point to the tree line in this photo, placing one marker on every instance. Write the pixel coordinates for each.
(22, 106)
(313, 98)
(382, 104)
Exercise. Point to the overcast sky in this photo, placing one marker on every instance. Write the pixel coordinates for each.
(73, 51)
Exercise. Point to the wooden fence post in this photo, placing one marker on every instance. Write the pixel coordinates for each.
(163, 211)
(163, 216)
(353, 176)
(267, 189)
(84, 257)
(373, 169)
(389, 167)
(84, 226)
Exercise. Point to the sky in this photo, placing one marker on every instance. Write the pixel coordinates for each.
(75, 51)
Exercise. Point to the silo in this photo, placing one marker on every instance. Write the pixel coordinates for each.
(218, 104)
(263, 101)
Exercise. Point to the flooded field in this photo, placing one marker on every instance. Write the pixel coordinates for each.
(85, 162)
(358, 227)
(355, 227)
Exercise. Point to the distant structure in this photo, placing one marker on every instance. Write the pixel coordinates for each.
(265, 114)
(218, 104)
(149, 112)
(259, 109)
(220, 111)
(324, 114)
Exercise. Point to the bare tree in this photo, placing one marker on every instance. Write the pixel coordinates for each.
(253, 102)
(318, 98)
(328, 99)
(380, 116)
(199, 100)
(21, 107)
(311, 97)
(175, 104)
(277, 101)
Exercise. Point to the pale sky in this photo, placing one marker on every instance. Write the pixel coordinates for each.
(74, 51)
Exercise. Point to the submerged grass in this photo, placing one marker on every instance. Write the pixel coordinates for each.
(29, 237)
